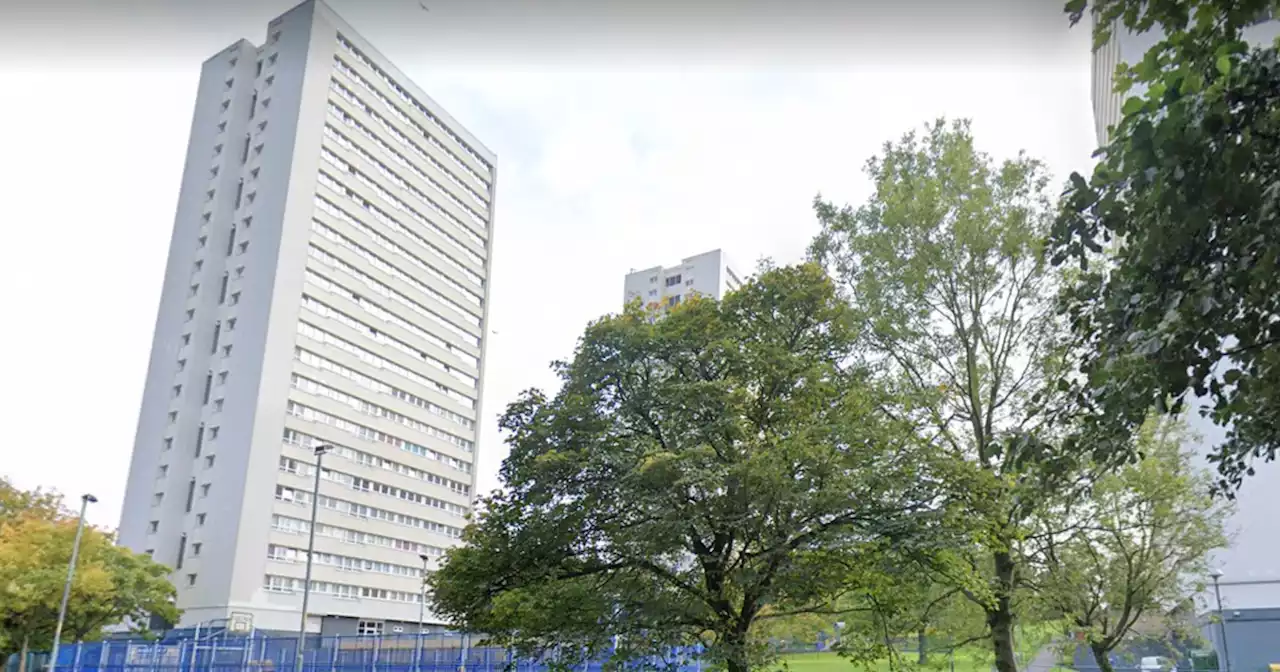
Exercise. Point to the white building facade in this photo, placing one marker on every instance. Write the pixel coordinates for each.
(710, 274)
(1250, 566)
(326, 284)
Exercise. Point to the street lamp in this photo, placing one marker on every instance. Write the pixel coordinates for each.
(320, 450)
(1216, 574)
(422, 606)
(85, 501)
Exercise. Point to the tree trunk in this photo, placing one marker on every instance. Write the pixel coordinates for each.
(736, 658)
(1000, 616)
(1100, 655)
(922, 650)
(22, 657)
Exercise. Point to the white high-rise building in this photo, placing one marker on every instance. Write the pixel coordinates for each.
(1250, 577)
(708, 274)
(326, 285)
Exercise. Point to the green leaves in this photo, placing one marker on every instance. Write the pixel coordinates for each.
(111, 583)
(1189, 184)
(691, 474)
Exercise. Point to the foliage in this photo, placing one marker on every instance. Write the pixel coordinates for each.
(15, 503)
(695, 475)
(944, 272)
(1174, 232)
(1126, 553)
(111, 583)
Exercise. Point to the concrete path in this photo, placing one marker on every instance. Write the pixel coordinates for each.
(1045, 660)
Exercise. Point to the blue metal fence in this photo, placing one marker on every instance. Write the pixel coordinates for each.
(400, 653)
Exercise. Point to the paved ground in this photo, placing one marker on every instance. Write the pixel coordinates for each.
(1045, 660)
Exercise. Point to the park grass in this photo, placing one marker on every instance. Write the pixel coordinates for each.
(972, 658)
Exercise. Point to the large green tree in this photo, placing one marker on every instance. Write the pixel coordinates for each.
(695, 475)
(1131, 551)
(1175, 230)
(944, 271)
(112, 584)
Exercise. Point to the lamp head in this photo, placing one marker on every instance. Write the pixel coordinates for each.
(323, 448)
(1215, 573)
(89, 498)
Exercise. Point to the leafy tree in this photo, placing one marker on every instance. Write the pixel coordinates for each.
(695, 475)
(1174, 232)
(945, 276)
(16, 502)
(111, 583)
(1126, 553)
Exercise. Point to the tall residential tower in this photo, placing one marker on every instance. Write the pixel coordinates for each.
(709, 274)
(326, 284)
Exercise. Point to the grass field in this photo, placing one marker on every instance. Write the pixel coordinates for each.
(971, 658)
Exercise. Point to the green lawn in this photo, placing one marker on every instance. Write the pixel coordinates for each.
(972, 658)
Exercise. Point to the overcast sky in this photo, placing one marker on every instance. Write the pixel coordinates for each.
(628, 134)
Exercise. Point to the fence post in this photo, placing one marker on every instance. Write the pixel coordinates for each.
(333, 654)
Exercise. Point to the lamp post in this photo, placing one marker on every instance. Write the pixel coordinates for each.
(85, 501)
(1216, 574)
(320, 450)
(422, 606)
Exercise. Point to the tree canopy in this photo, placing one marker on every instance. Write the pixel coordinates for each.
(696, 475)
(1174, 231)
(112, 584)
(954, 303)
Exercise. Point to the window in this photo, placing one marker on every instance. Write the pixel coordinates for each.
(203, 240)
(157, 498)
(217, 406)
(164, 471)
(653, 279)
(199, 440)
(182, 550)
(186, 339)
(226, 351)
(244, 247)
(217, 332)
(239, 271)
(217, 149)
(240, 193)
(230, 83)
(673, 300)
(191, 314)
(231, 240)
(258, 72)
(200, 519)
(673, 280)
(244, 153)
(191, 494)
(168, 443)
(222, 126)
(177, 391)
(208, 461)
(173, 417)
(231, 323)
(222, 290)
(204, 489)
(208, 387)
(195, 289)
(182, 364)
(195, 549)
(369, 628)
(150, 552)
(235, 298)
(213, 433)
(191, 579)
(154, 526)
(253, 107)
(222, 377)
(197, 266)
